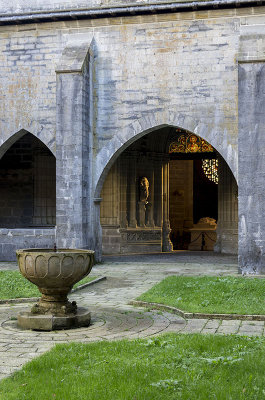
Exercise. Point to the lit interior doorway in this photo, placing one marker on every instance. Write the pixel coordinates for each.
(169, 190)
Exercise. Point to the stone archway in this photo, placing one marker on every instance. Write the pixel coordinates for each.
(128, 228)
(152, 122)
(28, 194)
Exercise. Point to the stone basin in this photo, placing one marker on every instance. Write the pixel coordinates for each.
(54, 272)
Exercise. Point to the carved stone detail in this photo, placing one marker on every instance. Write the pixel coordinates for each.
(144, 190)
(141, 236)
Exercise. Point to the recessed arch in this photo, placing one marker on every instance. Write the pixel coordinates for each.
(152, 122)
(179, 196)
(27, 182)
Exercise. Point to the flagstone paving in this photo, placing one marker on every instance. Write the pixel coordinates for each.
(112, 317)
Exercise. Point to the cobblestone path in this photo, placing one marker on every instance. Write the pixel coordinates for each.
(112, 317)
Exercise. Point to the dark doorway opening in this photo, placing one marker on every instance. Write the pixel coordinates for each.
(27, 185)
(205, 194)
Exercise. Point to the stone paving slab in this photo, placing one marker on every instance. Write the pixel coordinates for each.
(112, 317)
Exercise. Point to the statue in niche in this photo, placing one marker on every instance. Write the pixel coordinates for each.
(144, 190)
(144, 207)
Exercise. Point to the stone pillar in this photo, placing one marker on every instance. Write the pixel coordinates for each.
(132, 188)
(73, 144)
(158, 192)
(251, 162)
(123, 192)
(166, 242)
(227, 225)
(141, 214)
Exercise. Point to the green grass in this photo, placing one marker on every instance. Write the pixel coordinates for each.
(13, 285)
(85, 280)
(168, 367)
(225, 295)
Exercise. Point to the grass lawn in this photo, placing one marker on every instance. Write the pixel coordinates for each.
(225, 295)
(167, 367)
(13, 285)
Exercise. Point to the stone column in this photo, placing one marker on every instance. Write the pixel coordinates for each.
(251, 162)
(132, 188)
(123, 192)
(166, 242)
(158, 191)
(227, 225)
(73, 144)
(141, 214)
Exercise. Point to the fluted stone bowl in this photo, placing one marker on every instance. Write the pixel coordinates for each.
(54, 272)
(55, 269)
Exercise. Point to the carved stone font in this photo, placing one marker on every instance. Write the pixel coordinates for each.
(54, 272)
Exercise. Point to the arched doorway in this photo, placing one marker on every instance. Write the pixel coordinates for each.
(142, 193)
(27, 185)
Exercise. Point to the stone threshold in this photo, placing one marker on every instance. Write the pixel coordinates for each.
(34, 299)
(188, 315)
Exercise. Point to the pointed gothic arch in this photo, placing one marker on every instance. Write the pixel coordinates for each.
(27, 182)
(13, 137)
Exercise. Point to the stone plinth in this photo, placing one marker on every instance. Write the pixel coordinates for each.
(50, 322)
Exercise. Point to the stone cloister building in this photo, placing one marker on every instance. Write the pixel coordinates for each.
(97, 99)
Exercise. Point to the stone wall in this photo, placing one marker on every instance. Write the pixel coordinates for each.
(20, 6)
(252, 156)
(174, 67)
(148, 71)
(184, 73)
(13, 239)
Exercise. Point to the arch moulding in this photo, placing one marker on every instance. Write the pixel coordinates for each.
(154, 121)
(13, 137)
